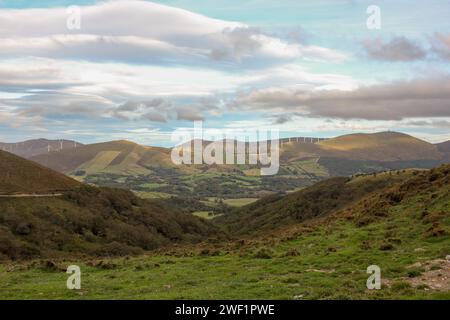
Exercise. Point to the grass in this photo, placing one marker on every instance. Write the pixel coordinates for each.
(307, 167)
(152, 195)
(204, 215)
(153, 185)
(100, 161)
(329, 263)
(239, 202)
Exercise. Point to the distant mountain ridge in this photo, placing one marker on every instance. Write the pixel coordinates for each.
(302, 163)
(383, 146)
(30, 148)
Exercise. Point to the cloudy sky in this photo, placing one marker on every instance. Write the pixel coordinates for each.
(138, 70)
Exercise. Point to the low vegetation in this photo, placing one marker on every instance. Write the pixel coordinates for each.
(93, 221)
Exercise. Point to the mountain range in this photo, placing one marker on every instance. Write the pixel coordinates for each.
(150, 171)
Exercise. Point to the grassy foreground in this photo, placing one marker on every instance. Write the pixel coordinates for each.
(325, 261)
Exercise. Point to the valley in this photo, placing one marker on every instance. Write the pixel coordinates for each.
(257, 152)
(236, 235)
(149, 171)
(402, 225)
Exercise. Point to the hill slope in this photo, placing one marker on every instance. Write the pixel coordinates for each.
(364, 197)
(382, 146)
(82, 220)
(92, 221)
(122, 156)
(18, 175)
(30, 148)
(444, 146)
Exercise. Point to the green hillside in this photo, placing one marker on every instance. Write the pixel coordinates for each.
(335, 196)
(93, 222)
(319, 200)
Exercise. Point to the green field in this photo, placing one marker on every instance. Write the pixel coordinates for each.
(204, 214)
(239, 202)
(152, 195)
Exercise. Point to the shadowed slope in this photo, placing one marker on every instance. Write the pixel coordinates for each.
(444, 146)
(18, 175)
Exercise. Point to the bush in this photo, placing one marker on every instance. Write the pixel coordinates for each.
(385, 246)
(414, 273)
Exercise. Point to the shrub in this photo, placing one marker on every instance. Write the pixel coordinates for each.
(414, 273)
(385, 246)
(292, 253)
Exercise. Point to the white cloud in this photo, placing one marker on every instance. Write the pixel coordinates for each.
(145, 32)
(139, 52)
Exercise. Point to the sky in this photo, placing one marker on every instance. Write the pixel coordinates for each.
(138, 70)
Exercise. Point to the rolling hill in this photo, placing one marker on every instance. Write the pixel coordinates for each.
(20, 176)
(121, 156)
(30, 148)
(382, 146)
(78, 219)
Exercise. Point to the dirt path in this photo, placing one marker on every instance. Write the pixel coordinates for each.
(25, 195)
(436, 275)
